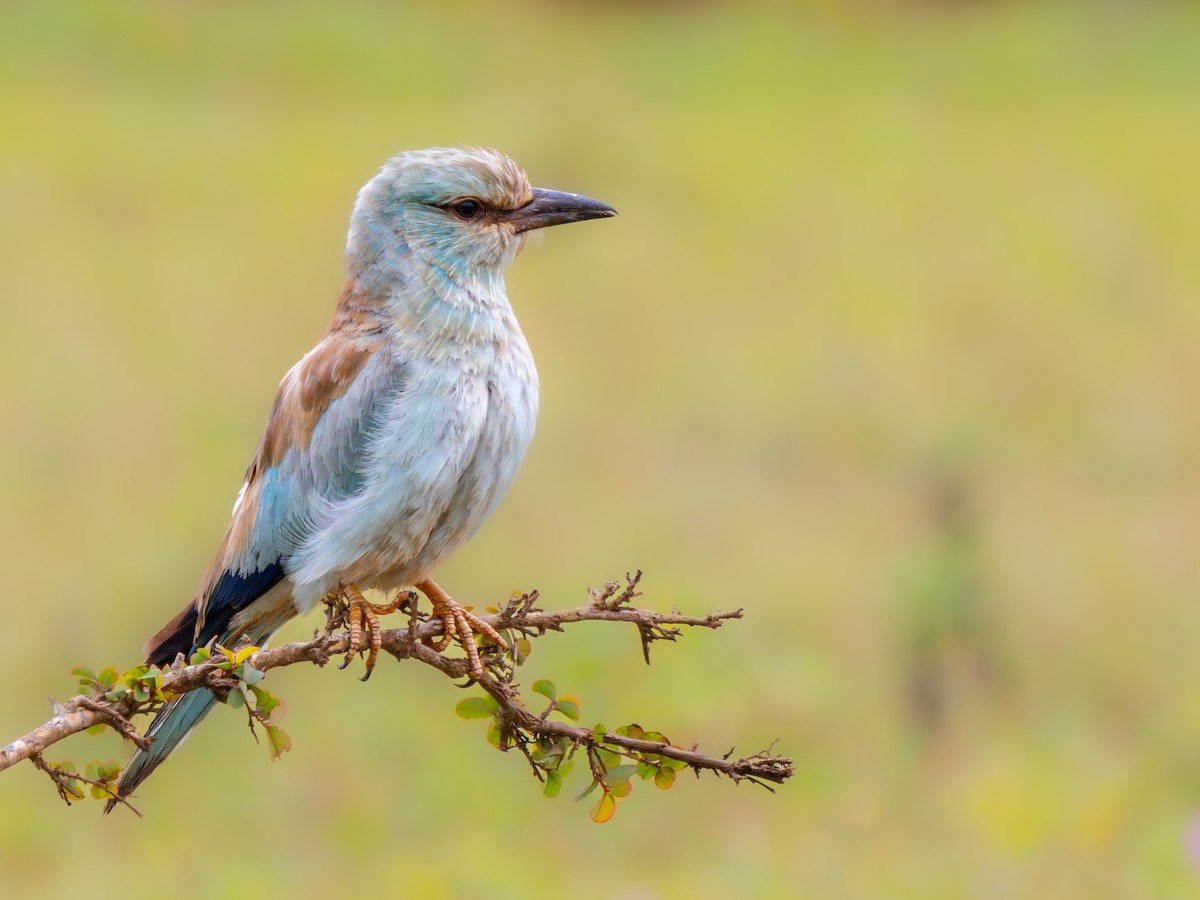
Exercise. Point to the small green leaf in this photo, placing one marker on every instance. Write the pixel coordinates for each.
(654, 737)
(603, 811)
(236, 699)
(98, 728)
(553, 785)
(664, 778)
(630, 731)
(587, 790)
(545, 688)
(569, 707)
(493, 734)
(645, 770)
(249, 674)
(264, 702)
(475, 708)
(201, 655)
(278, 742)
(108, 677)
(617, 780)
(608, 759)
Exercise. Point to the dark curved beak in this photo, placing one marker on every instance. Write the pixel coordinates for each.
(557, 208)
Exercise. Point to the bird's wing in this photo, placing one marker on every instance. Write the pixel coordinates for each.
(310, 453)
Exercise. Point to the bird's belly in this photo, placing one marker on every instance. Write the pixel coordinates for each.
(499, 448)
(439, 467)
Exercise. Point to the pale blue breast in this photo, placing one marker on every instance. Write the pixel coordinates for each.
(442, 454)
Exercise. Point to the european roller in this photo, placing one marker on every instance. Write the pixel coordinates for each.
(391, 440)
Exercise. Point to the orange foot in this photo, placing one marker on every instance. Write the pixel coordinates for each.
(458, 623)
(362, 613)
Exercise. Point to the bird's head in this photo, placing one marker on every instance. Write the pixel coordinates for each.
(462, 212)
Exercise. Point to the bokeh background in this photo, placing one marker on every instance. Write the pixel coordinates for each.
(895, 344)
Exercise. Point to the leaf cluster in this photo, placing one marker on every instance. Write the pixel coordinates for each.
(552, 757)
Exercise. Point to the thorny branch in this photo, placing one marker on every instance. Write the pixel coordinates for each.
(613, 603)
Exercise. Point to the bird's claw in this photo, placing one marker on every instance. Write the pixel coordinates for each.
(360, 614)
(461, 624)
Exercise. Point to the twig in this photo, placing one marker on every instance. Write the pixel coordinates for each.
(610, 604)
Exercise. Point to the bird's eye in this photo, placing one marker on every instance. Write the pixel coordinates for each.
(466, 209)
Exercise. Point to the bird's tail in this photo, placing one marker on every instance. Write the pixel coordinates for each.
(168, 730)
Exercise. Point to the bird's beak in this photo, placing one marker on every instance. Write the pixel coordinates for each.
(557, 208)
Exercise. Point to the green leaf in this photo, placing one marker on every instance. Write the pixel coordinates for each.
(475, 708)
(553, 785)
(201, 655)
(645, 770)
(236, 699)
(264, 702)
(630, 731)
(608, 759)
(521, 652)
(654, 737)
(493, 734)
(108, 677)
(545, 688)
(249, 674)
(617, 780)
(278, 742)
(98, 728)
(587, 790)
(664, 778)
(569, 707)
(603, 811)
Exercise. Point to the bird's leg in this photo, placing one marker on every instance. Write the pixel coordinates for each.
(361, 612)
(458, 623)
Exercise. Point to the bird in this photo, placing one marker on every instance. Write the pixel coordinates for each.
(391, 440)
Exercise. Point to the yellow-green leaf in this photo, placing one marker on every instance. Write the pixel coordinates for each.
(244, 654)
(569, 707)
(475, 708)
(603, 811)
(278, 742)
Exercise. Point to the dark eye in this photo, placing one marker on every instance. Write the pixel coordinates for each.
(466, 209)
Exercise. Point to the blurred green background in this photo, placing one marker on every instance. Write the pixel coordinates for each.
(895, 344)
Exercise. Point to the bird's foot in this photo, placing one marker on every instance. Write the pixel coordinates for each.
(362, 614)
(460, 624)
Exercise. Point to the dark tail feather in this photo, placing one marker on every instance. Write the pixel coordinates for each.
(175, 720)
(231, 594)
(168, 730)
